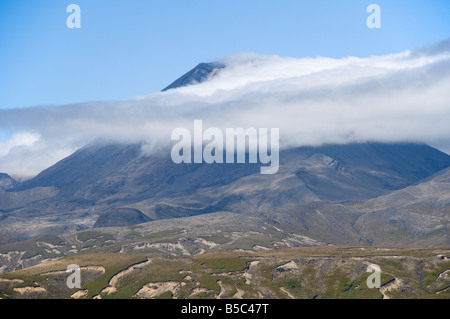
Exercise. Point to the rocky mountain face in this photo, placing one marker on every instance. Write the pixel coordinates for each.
(417, 215)
(313, 190)
(201, 73)
(121, 217)
(6, 182)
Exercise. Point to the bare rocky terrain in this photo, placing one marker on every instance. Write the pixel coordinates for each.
(73, 194)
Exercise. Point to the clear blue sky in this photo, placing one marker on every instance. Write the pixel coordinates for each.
(131, 48)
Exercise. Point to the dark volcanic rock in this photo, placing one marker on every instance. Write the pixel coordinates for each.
(121, 217)
(99, 178)
(200, 73)
(117, 175)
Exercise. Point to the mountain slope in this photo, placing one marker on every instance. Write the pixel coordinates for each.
(6, 182)
(432, 192)
(418, 215)
(76, 191)
(354, 171)
(249, 213)
(200, 73)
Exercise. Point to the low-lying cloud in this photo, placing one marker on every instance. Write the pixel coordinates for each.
(393, 98)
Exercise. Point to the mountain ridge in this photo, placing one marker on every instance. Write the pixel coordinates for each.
(202, 72)
(76, 191)
(6, 182)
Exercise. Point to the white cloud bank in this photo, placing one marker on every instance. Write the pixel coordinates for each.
(393, 98)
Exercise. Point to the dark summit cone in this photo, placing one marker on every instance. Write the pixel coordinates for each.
(199, 74)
